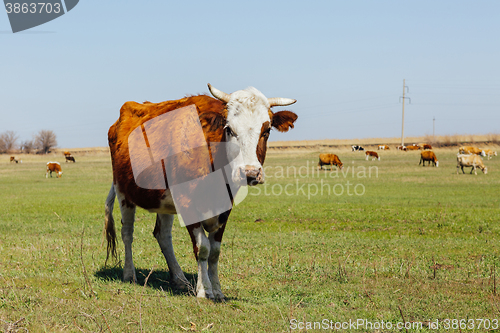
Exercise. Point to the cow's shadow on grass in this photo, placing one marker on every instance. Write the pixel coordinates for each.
(159, 279)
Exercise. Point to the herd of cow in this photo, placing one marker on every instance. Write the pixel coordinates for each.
(468, 156)
(244, 119)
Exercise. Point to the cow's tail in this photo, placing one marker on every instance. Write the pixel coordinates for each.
(109, 224)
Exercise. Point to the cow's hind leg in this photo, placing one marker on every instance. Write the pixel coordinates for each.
(163, 234)
(201, 248)
(128, 216)
(215, 239)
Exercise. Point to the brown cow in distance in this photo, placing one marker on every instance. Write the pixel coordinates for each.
(372, 154)
(150, 165)
(329, 159)
(428, 156)
(53, 167)
(412, 148)
(471, 150)
(426, 146)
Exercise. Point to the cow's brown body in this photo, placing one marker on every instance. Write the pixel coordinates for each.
(426, 146)
(412, 148)
(53, 167)
(329, 159)
(471, 150)
(373, 154)
(428, 156)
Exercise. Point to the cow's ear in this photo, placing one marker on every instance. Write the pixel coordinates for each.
(212, 121)
(283, 120)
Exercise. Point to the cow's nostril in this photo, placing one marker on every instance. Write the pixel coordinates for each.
(254, 176)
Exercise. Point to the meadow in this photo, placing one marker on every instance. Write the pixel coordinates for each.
(385, 241)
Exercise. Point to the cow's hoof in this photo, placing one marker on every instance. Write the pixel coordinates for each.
(205, 294)
(180, 284)
(129, 278)
(219, 296)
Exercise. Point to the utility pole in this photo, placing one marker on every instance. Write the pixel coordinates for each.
(405, 88)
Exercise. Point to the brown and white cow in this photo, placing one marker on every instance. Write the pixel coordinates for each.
(13, 159)
(412, 148)
(383, 147)
(372, 154)
(53, 167)
(470, 160)
(242, 118)
(490, 153)
(403, 148)
(471, 150)
(428, 156)
(329, 159)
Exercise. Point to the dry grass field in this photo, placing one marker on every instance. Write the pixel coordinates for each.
(384, 240)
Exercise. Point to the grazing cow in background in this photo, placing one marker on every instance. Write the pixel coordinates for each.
(428, 156)
(243, 119)
(426, 146)
(470, 160)
(490, 153)
(357, 148)
(401, 148)
(372, 154)
(412, 148)
(383, 147)
(53, 167)
(471, 150)
(70, 158)
(13, 159)
(329, 159)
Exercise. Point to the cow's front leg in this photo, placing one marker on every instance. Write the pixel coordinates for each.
(163, 234)
(201, 247)
(215, 239)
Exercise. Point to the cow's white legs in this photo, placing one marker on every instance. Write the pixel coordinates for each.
(204, 286)
(128, 217)
(163, 234)
(213, 261)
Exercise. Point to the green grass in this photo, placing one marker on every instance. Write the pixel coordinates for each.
(419, 242)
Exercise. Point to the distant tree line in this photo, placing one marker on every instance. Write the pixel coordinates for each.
(42, 142)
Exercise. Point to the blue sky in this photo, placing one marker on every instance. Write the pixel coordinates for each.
(343, 61)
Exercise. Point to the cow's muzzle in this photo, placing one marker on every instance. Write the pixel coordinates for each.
(254, 175)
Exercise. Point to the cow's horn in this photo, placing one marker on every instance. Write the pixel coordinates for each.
(219, 94)
(278, 101)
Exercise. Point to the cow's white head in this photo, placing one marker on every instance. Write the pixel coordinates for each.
(248, 124)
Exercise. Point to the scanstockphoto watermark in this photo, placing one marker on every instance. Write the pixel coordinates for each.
(27, 14)
(303, 181)
(367, 324)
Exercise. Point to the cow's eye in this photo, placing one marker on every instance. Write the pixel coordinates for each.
(230, 132)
